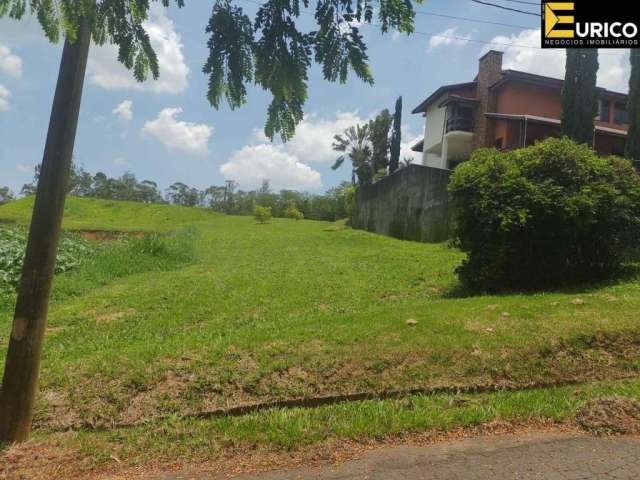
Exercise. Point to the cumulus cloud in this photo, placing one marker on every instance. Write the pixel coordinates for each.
(615, 69)
(123, 111)
(314, 136)
(287, 165)
(10, 63)
(175, 134)
(106, 72)
(449, 38)
(614, 63)
(409, 139)
(4, 98)
(252, 164)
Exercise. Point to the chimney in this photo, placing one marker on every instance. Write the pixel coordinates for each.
(489, 72)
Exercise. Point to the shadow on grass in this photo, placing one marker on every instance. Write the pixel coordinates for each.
(626, 273)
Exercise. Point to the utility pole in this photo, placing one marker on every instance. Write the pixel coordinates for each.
(20, 380)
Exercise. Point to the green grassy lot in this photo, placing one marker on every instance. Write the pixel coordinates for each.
(253, 313)
(102, 215)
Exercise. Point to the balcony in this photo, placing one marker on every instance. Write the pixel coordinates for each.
(459, 117)
(459, 123)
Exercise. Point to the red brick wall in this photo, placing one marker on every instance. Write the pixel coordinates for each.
(489, 72)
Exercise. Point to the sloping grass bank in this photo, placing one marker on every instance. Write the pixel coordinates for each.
(297, 310)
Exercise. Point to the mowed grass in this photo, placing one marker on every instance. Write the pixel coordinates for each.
(103, 215)
(297, 310)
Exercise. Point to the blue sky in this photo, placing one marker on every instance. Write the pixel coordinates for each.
(166, 131)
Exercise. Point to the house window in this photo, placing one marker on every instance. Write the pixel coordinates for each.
(459, 118)
(620, 114)
(604, 106)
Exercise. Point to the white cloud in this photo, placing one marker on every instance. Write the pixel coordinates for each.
(4, 98)
(252, 164)
(22, 168)
(615, 69)
(123, 111)
(10, 63)
(409, 140)
(612, 74)
(449, 38)
(106, 72)
(179, 135)
(314, 136)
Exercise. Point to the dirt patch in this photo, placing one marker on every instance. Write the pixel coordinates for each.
(54, 411)
(612, 415)
(55, 457)
(146, 402)
(105, 235)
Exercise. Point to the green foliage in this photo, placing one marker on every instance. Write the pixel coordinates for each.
(632, 150)
(293, 213)
(262, 214)
(349, 195)
(176, 246)
(579, 95)
(354, 143)
(272, 51)
(369, 146)
(181, 194)
(229, 69)
(396, 138)
(125, 256)
(118, 22)
(6, 195)
(379, 129)
(546, 215)
(126, 187)
(72, 252)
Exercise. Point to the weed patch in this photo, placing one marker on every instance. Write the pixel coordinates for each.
(613, 415)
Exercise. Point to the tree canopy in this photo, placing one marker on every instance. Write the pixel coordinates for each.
(271, 50)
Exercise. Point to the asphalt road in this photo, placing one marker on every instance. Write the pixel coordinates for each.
(549, 456)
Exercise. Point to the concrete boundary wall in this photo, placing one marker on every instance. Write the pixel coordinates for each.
(411, 204)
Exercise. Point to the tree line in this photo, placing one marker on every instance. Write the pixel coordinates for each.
(227, 198)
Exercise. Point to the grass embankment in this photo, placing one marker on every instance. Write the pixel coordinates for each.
(304, 309)
(102, 215)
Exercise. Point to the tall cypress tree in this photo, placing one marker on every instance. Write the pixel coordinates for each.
(632, 150)
(396, 137)
(579, 95)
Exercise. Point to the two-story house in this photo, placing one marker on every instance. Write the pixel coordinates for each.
(507, 109)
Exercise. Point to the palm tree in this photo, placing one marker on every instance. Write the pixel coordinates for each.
(355, 144)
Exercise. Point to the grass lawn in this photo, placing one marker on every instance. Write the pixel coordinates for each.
(292, 309)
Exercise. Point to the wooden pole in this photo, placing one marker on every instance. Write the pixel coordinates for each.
(20, 380)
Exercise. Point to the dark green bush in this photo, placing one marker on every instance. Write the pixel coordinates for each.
(548, 215)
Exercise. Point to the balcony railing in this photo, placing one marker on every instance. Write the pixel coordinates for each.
(459, 123)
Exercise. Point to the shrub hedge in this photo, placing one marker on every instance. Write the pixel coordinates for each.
(547, 215)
